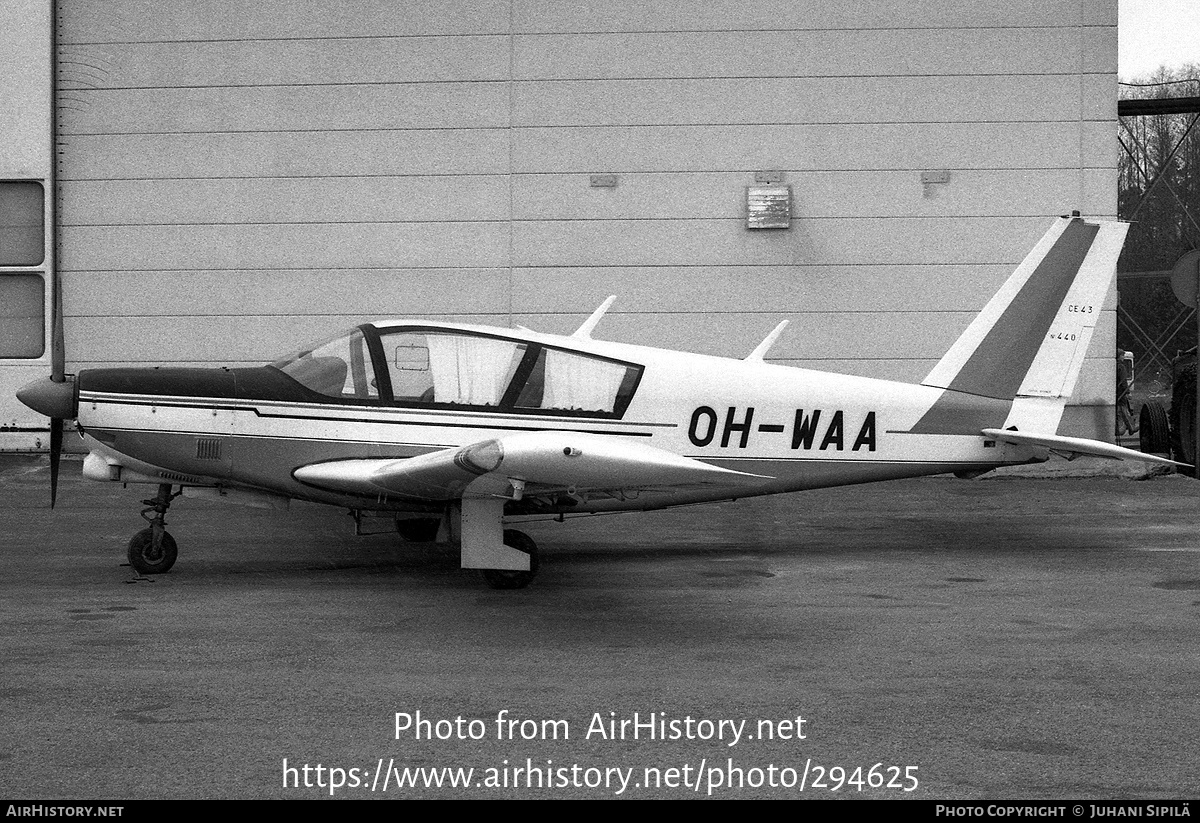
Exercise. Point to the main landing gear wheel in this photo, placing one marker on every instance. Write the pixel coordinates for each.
(1183, 418)
(509, 578)
(146, 558)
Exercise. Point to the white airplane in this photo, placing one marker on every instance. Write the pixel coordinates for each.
(455, 429)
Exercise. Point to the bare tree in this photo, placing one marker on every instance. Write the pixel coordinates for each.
(1159, 190)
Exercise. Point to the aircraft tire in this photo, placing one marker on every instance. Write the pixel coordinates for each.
(1183, 418)
(145, 560)
(1154, 430)
(507, 578)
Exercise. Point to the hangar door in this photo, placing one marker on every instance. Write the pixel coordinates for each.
(234, 175)
(26, 216)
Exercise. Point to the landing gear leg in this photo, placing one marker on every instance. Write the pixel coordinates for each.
(153, 550)
(507, 558)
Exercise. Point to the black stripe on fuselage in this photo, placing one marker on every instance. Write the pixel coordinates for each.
(171, 403)
(270, 385)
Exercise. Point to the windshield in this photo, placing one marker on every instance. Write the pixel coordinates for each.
(339, 367)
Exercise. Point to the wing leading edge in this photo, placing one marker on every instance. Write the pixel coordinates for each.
(526, 463)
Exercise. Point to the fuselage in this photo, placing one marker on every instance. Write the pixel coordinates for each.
(403, 389)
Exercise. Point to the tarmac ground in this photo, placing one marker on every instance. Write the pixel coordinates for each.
(1018, 636)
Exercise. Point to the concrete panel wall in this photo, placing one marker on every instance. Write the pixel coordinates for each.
(228, 168)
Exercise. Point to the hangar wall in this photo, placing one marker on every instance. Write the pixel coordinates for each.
(26, 213)
(236, 179)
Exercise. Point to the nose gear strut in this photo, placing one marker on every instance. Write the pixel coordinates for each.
(153, 550)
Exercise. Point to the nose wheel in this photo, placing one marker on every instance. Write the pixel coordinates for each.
(153, 550)
(148, 557)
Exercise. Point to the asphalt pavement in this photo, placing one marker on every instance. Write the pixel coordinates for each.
(1009, 637)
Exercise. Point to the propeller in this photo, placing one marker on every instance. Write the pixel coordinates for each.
(58, 367)
(55, 397)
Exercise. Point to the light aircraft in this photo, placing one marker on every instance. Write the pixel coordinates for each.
(454, 429)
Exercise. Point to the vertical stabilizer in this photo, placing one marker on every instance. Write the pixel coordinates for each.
(1029, 342)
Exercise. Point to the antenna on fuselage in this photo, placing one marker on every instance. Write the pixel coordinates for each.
(585, 331)
(761, 350)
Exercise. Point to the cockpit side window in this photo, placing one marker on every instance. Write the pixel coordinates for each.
(408, 362)
(447, 368)
(573, 382)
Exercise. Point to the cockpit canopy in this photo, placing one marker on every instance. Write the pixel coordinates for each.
(453, 368)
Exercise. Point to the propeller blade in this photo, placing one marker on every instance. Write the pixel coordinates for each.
(58, 350)
(56, 401)
(56, 441)
(58, 374)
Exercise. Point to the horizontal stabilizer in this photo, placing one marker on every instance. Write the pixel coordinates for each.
(1074, 446)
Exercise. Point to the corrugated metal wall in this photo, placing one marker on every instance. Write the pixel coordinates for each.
(26, 214)
(237, 178)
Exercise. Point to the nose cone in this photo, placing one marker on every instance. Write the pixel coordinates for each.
(55, 400)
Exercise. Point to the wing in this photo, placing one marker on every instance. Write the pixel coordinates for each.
(518, 465)
(1071, 447)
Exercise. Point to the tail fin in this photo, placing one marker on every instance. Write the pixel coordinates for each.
(1029, 342)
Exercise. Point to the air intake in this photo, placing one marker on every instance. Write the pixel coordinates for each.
(208, 448)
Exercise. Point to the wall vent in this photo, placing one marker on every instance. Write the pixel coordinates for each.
(768, 207)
